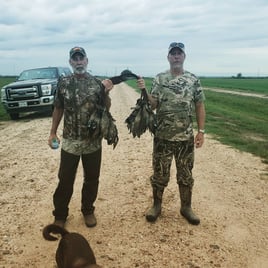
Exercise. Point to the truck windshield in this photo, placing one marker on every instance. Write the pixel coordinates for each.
(42, 73)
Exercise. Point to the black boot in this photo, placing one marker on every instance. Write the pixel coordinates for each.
(186, 209)
(153, 213)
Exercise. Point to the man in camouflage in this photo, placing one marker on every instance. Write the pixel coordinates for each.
(175, 94)
(77, 98)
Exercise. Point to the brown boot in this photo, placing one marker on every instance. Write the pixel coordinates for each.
(186, 209)
(153, 213)
(90, 220)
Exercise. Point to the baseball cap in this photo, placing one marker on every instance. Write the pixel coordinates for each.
(77, 50)
(179, 45)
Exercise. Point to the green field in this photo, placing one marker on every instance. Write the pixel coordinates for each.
(256, 85)
(6, 80)
(237, 121)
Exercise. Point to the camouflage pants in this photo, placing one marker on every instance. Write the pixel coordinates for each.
(163, 153)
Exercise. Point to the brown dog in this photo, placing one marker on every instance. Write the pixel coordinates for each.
(73, 250)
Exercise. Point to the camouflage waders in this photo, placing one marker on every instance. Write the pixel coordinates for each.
(153, 213)
(163, 153)
(186, 209)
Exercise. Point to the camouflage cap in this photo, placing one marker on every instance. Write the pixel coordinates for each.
(79, 50)
(181, 46)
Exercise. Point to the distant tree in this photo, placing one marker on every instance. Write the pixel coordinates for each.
(239, 75)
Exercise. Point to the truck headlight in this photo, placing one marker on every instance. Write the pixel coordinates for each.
(3, 94)
(46, 89)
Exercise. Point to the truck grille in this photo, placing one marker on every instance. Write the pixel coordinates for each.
(22, 93)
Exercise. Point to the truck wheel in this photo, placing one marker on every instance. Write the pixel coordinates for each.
(14, 116)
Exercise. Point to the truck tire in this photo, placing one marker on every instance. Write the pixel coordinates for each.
(14, 116)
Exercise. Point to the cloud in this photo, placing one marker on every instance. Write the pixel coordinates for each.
(221, 38)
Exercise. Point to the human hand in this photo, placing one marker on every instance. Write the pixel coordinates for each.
(199, 140)
(141, 83)
(52, 138)
(108, 84)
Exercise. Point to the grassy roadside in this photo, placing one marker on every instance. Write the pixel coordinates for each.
(238, 121)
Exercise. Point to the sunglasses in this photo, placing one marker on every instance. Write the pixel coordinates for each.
(175, 44)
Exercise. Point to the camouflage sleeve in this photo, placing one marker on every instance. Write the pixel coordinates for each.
(199, 95)
(59, 99)
(156, 86)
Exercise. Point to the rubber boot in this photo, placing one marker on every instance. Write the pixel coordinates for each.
(186, 209)
(153, 213)
(90, 220)
(89, 196)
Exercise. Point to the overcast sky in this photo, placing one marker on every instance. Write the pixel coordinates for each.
(221, 37)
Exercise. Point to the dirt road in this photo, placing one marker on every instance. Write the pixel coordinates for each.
(237, 92)
(230, 196)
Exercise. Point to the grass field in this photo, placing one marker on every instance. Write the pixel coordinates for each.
(238, 121)
(6, 80)
(256, 85)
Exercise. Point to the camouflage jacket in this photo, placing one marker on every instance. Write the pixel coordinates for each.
(79, 98)
(176, 98)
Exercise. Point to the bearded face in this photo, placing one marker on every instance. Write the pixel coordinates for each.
(79, 63)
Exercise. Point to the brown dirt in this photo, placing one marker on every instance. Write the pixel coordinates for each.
(230, 196)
